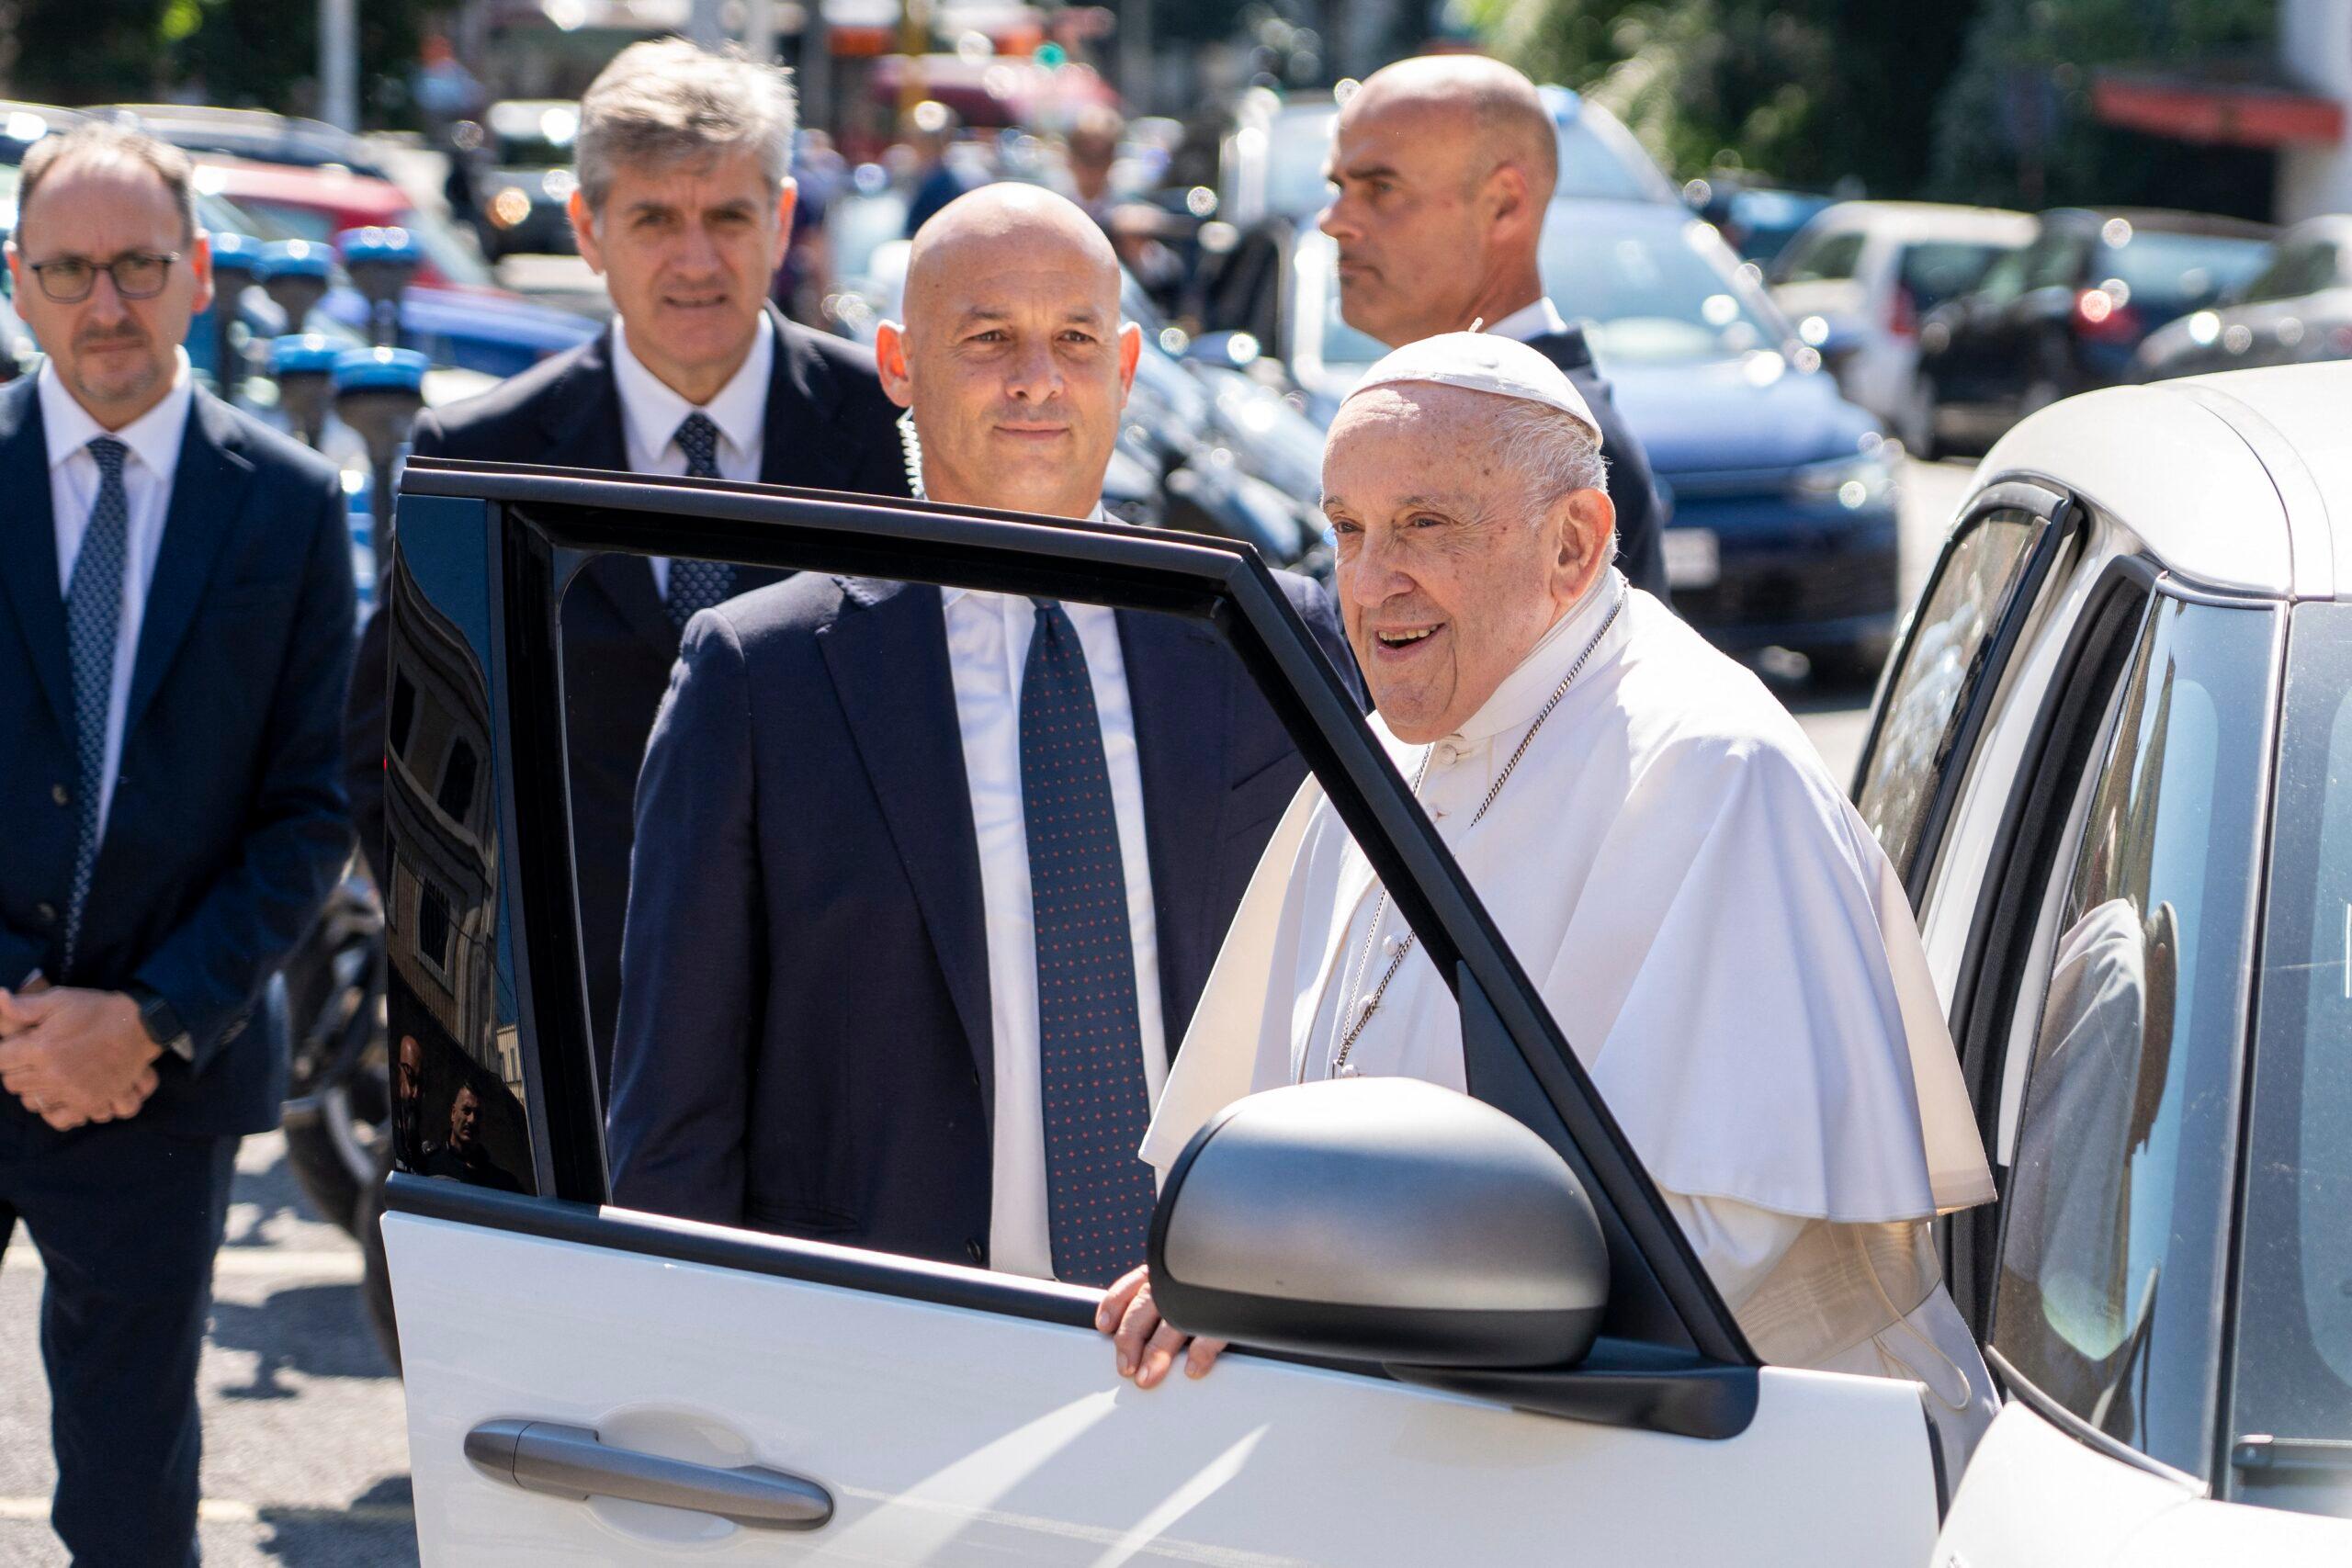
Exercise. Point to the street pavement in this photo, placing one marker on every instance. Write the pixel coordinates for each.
(306, 1452)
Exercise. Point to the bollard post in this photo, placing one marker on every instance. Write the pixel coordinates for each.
(382, 262)
(379, 392)
(303, 364)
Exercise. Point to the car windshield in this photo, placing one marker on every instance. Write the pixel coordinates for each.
(1936, 270)
(2294, 1318)
(1657, 294)
(2169, 272)
(1592, 163)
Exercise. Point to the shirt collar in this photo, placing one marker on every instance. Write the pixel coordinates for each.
(951, 594)
(1528, 322)
(1525, 690)
(654, 411)
(153, 437)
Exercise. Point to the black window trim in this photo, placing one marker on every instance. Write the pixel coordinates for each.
(2022, 1388)
(2061, 521)
(543, 522)
(2065, 734)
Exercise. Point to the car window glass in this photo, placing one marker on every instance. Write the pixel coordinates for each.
(1832, 258)
(2295, 1338)
(1933, 271)
(2004, 279)
(1939, 666)
(2055, 260)
(2296, 269)
(2167, 274)
(2116, 1210)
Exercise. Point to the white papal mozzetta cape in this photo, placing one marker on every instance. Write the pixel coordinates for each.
(1723, 943)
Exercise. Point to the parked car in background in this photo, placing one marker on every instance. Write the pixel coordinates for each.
(201, 130)
(1859, 277)
(1782, 524)
(2066, 314)
(524, 194)
(2297, 310)
(1755, 220)
(317, 204)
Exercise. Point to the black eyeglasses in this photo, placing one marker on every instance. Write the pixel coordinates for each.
(138, 275)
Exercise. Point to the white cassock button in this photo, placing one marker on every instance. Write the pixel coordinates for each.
(1394, 945)
(1347, 1070)
(1448, 754)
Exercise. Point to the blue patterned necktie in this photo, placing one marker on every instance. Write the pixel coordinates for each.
(1089, 1044)
(93, 623)
(697, 584)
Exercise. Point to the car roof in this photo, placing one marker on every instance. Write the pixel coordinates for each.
(2162, 220)
(1927, 220)
(2226, 479)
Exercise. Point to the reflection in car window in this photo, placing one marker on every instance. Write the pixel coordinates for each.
(2295, 1350)
(1935, 271)
(1950, 634)
(2118, 1204)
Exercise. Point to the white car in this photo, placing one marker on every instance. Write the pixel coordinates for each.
(2113, 761)
(1860, 276)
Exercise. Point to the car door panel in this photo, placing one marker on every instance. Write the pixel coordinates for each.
(2035, 1497)
(954, 1433)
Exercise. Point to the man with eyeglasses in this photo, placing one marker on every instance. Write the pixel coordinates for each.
(176, 621)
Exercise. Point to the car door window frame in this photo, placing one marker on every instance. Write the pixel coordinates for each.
(1667, 1321)
(2060, 519)
(2063, 741)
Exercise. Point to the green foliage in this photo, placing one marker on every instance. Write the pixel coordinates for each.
(240, 53)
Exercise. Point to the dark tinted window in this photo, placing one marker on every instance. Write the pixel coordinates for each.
(1829, 259)
(1936, 270)
(457, 791)
(2301, 268)
(2295, 1350)
(2055, 260)
(2118, 1203)
(1939, 666)
(403, 715)
(2168, 274)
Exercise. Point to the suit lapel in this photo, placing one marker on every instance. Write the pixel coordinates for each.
(208, 494)
(28, 545)
(793, 445)
(1180, 682)
(886, 652)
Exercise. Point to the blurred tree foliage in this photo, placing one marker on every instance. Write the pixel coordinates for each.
(1985, 100)
(240, 54)
(1809, 91)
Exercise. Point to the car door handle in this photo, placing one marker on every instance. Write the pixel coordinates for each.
(572, 1462)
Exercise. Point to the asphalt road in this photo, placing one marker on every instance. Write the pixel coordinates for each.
(306, 1452)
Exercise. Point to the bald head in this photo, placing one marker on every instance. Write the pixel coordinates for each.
(1444, 166)
(1487, 110)
(1012, 355)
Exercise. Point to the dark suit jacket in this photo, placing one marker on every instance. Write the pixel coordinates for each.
(805, 1039)
(1640, 514)
(229, 823)
(829, 427)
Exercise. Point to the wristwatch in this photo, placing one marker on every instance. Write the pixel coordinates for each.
(163, 1025)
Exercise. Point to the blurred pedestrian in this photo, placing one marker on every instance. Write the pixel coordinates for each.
(1444, 167)
(1136, 228)
(683, 207)
(929, 131)
(176, 615)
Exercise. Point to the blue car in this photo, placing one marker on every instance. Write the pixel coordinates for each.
(1782, 494)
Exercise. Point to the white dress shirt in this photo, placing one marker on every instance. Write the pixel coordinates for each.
(1531, 322)
(147, 468)
(988, 650)
(652, 413)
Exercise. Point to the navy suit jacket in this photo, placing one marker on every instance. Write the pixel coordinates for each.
(805, 1039)
(228, 825)
(829, 427)
(1641, 515)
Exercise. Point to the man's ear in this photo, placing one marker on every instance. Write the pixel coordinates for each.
(1587, 541)
(890, 361)
(199, 264)
(1130, 355)
(785, 200)
(583, 230)
(1508, 197)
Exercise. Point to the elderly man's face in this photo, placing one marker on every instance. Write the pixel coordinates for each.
(687, 250)
(1407, 216)
(1015, 364)
(1446, 577)
(117, 357)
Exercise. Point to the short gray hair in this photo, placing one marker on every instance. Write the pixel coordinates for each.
(103, 140)
(1555, 452)
(669, 101)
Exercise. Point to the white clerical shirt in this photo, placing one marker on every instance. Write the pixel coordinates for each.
(148, 468)
(1543, 319)
(1720, 940)
(988, 650)
(651, 411)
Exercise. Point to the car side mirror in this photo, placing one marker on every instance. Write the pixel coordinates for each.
(1380, 1219)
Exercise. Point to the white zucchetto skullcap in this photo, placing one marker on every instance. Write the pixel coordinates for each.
(1481, 362)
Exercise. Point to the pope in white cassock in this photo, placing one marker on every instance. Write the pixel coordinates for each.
(1713, 926)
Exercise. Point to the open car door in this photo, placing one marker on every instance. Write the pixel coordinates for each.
(588, 1384)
